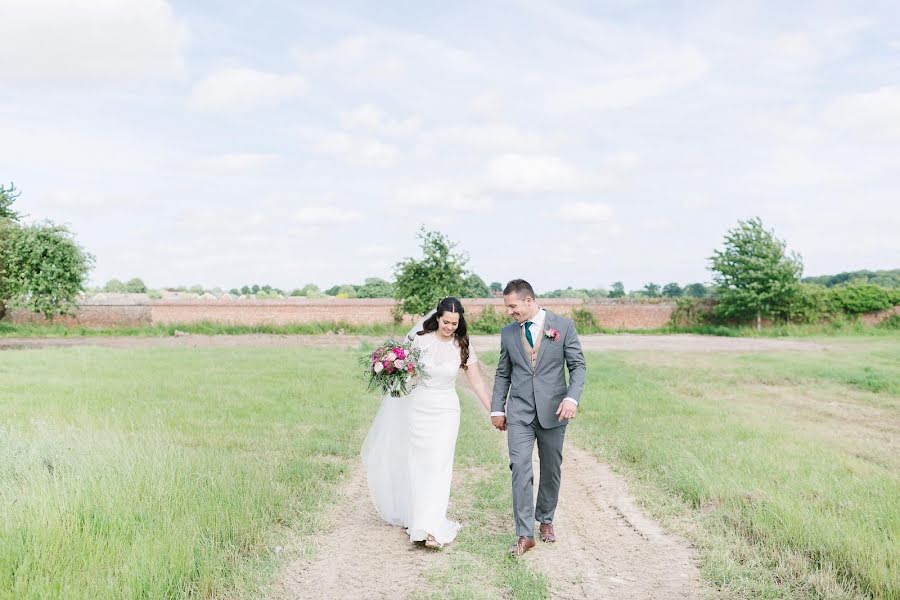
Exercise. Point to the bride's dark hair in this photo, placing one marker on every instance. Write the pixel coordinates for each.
(451, 304)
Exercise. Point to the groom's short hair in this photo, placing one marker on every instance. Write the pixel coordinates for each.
(520, 287)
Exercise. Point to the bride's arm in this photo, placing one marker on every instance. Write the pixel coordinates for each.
(477, 383)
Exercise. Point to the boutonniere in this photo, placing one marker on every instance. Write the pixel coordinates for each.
(551, 333)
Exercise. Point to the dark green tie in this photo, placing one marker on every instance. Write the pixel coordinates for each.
(528, 333)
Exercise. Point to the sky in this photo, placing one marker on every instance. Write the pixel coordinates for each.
(569, 143)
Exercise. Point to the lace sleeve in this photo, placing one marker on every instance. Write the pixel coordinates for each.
(472, 358)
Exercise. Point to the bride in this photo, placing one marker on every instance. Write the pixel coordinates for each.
(408, 452)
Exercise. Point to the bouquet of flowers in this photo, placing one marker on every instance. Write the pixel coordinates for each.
(394, 368)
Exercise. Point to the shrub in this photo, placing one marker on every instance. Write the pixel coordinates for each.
(584, 319)
(692, 312)
(489, 321)
(858, 298)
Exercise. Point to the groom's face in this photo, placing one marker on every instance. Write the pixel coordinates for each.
(519, 308)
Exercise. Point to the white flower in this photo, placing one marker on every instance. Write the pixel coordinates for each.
(398, 363)
(378, 367)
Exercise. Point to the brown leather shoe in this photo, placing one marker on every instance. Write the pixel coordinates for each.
(547, 533)
(522, 545)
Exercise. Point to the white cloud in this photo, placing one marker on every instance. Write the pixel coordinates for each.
(523, 173)
(238, 162)
(630, 84)
(875, 114)
(487, 138)
(241, 89)
(326, 215)
(370, 117)
(384, 57)
(445, 196)
(357, 150)
(585, 212)
(90, 40)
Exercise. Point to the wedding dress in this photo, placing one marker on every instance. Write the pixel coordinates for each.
(408, 452)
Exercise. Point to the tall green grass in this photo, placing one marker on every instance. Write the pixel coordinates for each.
(781, 468)
(166, 473)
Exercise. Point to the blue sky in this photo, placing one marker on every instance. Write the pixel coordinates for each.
(574, 143)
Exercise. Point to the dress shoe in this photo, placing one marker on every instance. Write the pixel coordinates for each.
(547, 533)
(522, 545)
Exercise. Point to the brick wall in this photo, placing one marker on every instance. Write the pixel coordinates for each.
(136, 310)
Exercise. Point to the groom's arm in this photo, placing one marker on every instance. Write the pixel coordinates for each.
(575, 364)
(502, 382)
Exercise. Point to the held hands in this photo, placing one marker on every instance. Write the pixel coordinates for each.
(566, 410)
(499, 422)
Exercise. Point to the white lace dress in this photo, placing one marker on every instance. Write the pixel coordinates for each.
(408, 452)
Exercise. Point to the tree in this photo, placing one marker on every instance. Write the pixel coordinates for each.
(496, 286)
(8, 195)
(753, 273)
(617, 290)
(135, 286)
(333, 290)
(651, 290)
(475, 287)
(114, 286)
(672, 290)
(441, 272)
(375, 287)
(695, 290)
(42, 268)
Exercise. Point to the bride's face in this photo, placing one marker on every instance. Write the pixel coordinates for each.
(447, 324)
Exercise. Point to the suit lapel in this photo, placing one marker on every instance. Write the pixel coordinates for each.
(549, 321)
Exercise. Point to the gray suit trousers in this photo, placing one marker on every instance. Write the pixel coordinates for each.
(521, 439)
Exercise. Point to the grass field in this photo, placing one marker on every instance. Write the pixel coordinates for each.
(783, 468)
(174, 473)
(151, 473)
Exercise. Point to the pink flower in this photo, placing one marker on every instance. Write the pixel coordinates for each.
(378, 367)
(398, 363)
(410, 368)
(552, 333)
(390, 356)
(400, 352)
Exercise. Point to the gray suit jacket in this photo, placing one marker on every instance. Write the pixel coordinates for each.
(524, 392)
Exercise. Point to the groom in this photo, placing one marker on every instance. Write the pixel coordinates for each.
(534, 353)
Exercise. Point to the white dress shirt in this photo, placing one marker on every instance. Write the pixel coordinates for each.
(536, 329)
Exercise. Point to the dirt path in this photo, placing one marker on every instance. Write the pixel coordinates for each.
(607, 548)
(359, 556)
(481, 343)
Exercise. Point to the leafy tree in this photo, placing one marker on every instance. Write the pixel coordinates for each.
(135, 286)
(346, 291)
(246, 291)
(695, 290)
(254, 289)
(333, 290)
(753, 273)
(441, 272)
(475, 287)
(311, 290)
(651, 290)
(234, 292)
(375, 287)
(8, 195)
(114, 286)
(196, 289)
(496, 286)
(42, 268)
(672, 290)
(617, 290)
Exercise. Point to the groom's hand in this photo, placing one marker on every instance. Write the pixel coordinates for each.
(499, 422)
(566, 410)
